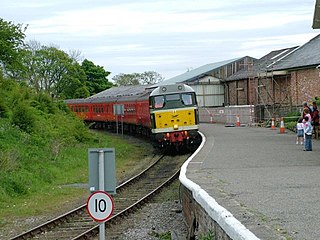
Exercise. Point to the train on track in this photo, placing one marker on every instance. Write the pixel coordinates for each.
(168, 114)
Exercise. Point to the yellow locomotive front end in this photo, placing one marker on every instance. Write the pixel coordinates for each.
(175, 119)
(174, 116)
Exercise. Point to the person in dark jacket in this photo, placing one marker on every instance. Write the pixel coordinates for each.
(315, 119)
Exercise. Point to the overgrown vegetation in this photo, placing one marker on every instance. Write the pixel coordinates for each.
(43, 149)
(209, 236)
(291, 120)
(43, 146)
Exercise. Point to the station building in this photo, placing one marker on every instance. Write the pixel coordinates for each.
(256, 89)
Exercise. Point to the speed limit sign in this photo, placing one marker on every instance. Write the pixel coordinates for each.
(100, 206)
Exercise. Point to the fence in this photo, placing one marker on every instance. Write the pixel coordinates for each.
(247, 114)
(228, 115)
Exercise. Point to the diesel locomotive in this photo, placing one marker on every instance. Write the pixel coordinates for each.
(168, 114)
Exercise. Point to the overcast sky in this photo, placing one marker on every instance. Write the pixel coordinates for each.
(167, 36)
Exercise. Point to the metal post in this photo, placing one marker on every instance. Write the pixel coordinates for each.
(117, 122)
(101, 187)
(122, 125)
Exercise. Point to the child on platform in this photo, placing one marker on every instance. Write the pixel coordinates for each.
(300, 131)
(307, 135)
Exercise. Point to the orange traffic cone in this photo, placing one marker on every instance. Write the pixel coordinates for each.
(211, 118)
(282, 126)
(238, 121)
(273, 127)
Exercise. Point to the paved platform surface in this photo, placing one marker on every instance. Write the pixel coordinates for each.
(263, 178)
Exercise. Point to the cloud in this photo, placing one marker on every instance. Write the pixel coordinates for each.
(158, 18)
(283, 41)
(171, 36)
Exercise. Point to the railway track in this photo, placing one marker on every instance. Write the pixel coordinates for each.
(131, 195)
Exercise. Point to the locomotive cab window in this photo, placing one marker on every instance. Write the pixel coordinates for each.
(158, 102)
(187, 99)
(173, 101)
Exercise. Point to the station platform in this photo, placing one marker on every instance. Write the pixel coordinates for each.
(256, 182)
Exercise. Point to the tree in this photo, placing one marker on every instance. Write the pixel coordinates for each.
(76, 55)
(11, 44)
(73, 83)
(148, 77)
(96, 77)
(52, 66)
(126, 79)
(52, 71)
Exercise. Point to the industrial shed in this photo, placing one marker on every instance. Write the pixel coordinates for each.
(208, 80)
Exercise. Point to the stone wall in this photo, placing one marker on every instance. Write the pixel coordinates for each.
(198, 221)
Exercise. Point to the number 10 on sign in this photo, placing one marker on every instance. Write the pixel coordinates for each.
(100, 206)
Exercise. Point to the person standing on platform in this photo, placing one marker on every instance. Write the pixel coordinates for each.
(315, 120)
(305, 106)
(300, 131)
(307, 134)
(306, 113)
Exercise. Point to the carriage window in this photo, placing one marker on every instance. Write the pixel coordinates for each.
(158, 102)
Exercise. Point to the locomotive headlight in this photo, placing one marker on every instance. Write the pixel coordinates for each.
(175, 127)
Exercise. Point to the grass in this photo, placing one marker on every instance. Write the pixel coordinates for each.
(170, 193)
(44, 155)
(41, 184)
(209, 236)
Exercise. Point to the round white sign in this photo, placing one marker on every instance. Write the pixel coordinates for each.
(100, 206)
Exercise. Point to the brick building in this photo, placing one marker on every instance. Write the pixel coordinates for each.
(268, 87)
(278, 82)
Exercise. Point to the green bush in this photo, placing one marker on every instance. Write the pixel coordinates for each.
(291, 126)
(317, 100)
(209, 236)
(292, 117)
(23, 117)
(4, 111)
(8, 160)
(15, 184)
(63, 107)
(43, 102)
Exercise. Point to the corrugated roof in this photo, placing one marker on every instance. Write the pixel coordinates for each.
(121, 91)
(304, 56)
(198, 72)
(260, 66)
